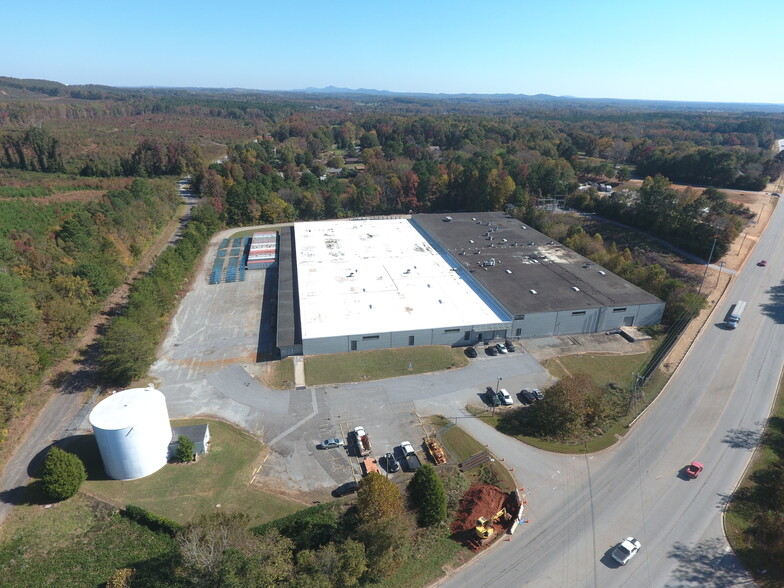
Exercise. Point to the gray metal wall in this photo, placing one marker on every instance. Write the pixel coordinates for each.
(595, 320)
(453, 336)
(541, 324)
(649, 314)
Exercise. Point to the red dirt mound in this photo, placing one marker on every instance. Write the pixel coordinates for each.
(482, 500)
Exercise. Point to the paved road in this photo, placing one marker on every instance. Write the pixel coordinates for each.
(713, 411)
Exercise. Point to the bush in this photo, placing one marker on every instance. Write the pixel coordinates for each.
(310, 528)
(152, 521)
(62, 474)
(185, 449)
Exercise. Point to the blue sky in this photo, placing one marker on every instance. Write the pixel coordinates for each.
(686, 50)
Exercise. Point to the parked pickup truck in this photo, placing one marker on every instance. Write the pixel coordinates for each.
(411, 457)
(362, 440)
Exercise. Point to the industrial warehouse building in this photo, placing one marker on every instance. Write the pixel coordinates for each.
(467, 278)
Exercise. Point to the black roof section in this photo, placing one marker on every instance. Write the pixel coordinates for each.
(525, 270)
(289, 331)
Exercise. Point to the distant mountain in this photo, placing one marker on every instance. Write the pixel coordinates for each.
(336, 90)
(372, 92)
(32, 89)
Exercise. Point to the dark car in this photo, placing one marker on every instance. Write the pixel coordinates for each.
(762, 263)
(510, 346)
(470, 352)
(491, 350)
(492, 397)
(344, 489)
(526, 397)
(390, 463)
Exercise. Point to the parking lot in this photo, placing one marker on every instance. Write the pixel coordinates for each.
(209, 366)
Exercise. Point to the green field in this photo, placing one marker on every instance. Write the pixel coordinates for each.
(184, 491)
(383, 363)
(78, 542)
(603, 369)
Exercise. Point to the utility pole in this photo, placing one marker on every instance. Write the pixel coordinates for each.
(741, 243)
(707, 265)
(718, 277)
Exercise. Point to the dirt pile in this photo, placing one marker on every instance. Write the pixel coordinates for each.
(481, 500)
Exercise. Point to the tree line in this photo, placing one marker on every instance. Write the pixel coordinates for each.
(691, 219)
(59, 261)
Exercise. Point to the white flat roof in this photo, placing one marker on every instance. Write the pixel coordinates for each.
(127, 408)
(377, 276)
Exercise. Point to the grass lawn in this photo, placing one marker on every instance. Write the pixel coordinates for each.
(184, 491)
(744, 507)
(280, 374)
(379, 364)
(78, 542)
(603, 369)
(461, 445)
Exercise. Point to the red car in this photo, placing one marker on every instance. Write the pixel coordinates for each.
(693, 469)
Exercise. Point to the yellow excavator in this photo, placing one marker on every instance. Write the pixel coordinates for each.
(484, 528)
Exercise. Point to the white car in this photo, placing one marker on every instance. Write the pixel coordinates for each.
(501, 349)
(626, 550)
(504, 397)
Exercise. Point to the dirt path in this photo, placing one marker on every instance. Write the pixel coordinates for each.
(52, 408)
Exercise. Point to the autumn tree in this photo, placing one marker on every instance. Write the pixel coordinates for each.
(218, 547)
(332, 565)
(378, 498)
(569, 407)
(383, 539)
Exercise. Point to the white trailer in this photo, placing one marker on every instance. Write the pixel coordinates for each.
(737, 311)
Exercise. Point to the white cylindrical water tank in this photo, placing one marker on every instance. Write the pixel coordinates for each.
(133, 432)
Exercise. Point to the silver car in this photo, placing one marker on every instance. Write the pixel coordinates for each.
(332, 443)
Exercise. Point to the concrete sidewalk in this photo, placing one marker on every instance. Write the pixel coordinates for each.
(299, 372)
